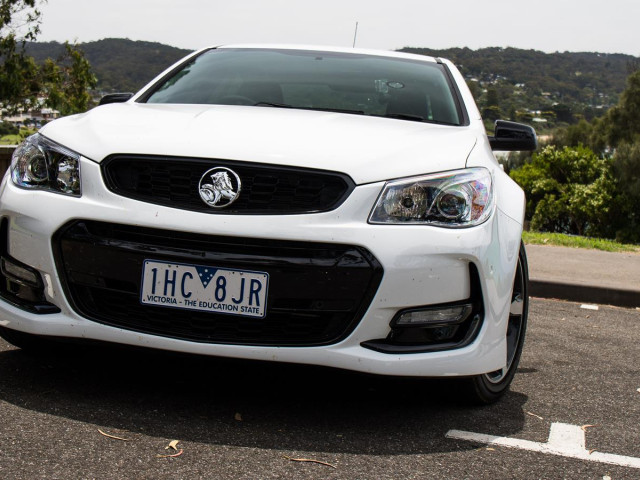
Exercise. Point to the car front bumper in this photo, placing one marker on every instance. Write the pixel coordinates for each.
(421, 266)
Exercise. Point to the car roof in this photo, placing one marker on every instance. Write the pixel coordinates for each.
(327, 48)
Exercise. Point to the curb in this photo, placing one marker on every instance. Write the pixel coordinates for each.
(584, 293)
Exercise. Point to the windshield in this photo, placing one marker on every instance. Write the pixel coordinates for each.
(315, 80)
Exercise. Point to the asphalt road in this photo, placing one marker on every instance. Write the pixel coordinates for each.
(242, 420)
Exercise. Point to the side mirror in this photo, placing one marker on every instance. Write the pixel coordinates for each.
(513, 137)
(115, 98)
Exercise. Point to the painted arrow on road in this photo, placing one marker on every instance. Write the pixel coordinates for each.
(564, 440)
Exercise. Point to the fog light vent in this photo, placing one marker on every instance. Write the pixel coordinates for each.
(434, 316)
(22, 286)
(20, 274)
(435, 328)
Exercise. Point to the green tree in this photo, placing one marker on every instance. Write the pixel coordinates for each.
(614, 137)
(623, 120)
(491, 110)
(563, 112)
(492, 113)
(476, 91)
(7, 128)
(493, 100)
(588, 134)
(19, 79)
(626, 163)
(67, 81)
(569, 190)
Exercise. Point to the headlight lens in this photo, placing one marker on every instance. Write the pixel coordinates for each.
(38, 163)
(456, 199)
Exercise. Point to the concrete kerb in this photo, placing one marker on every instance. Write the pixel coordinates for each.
(584, 293)
(584, 275)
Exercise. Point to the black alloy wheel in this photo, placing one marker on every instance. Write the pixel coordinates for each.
(490, 387)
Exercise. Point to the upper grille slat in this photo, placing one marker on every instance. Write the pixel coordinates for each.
(266, 189)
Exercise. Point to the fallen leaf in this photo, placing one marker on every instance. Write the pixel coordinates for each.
(309, 460)
(238, 417)
(534, 415)
(584, 427)
(592, 450)
(171, 456)
(113, 436)
(173, 444)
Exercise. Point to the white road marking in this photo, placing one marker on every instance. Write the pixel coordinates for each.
(564, 440)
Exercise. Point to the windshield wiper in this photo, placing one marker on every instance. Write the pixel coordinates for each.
(416, 118)
(268, 104)
(338, 110)
(403, 116)
(400, 116)
(321, 109)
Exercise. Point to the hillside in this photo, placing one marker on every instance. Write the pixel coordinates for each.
(565, 73)
(507, 82)
(567, 86)
(121, 65)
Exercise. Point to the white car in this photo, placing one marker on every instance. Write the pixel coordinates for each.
(327, 206)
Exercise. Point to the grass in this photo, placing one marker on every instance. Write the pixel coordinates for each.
(10, 140)
(559, 239)
(17, 138)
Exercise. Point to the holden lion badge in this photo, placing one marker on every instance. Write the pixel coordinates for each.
(219, 187)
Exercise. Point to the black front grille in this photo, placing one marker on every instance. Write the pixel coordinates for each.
(266, 189)
(317, 292)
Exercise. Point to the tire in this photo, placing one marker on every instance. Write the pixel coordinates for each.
(490, 387)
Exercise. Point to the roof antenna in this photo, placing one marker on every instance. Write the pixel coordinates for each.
(355, 35)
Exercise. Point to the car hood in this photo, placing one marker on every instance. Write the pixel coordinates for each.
(368, 149)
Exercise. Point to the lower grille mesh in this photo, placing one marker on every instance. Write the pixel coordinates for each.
(317, 292)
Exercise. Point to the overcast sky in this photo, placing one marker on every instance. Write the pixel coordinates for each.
(611, 26)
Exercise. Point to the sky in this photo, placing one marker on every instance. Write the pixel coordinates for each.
(611, 26)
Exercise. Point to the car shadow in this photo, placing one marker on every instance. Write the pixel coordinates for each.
(250, 404)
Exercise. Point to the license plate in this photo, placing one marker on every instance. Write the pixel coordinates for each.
(204, 288)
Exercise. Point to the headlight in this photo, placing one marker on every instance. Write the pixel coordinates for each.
(460, 198)
(38, 163)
